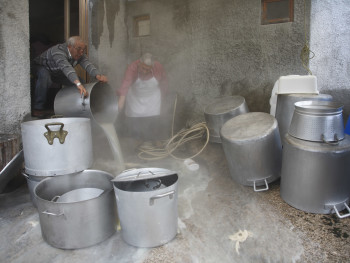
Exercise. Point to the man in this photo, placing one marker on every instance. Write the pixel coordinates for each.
(57, 65)
(143, 88)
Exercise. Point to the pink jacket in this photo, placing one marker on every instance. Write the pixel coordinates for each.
(131, 76)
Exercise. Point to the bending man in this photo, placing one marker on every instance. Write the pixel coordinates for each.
(57, 65)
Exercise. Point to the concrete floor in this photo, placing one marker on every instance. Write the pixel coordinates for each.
(211, 208)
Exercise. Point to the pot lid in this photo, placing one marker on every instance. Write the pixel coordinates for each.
(143, 174)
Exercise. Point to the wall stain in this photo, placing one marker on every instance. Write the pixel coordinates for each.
(181, 13)
(97, 16)
(10, 15)
(112, 7)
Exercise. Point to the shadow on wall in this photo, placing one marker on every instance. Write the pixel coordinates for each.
(342, 96)
(257, 98)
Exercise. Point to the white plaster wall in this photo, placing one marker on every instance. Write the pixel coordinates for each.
(14, 64)
(330, 41)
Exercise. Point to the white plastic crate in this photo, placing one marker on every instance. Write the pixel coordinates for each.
(297, 84)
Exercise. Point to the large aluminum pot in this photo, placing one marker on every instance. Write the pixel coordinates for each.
(57, 146)
(101, 105)
(285, 108)
(147, 206)
(253, 149)
(317, 121)
(72, 225)
(316, 176)
(220, 111)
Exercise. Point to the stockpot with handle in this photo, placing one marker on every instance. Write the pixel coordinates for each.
(72, 225)
(57, 146)
(147, 206)
(315, 176)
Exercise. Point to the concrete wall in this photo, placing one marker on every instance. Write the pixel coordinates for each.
(214, 48)
(14, 64)
(330, 41)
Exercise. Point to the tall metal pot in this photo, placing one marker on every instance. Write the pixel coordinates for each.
(315, 176)
(79, 224)
(147, 206)
(57, 146)
(252, 147)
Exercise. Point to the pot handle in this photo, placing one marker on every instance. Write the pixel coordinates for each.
(25, 175)
(261, 189)
(336, 140)
(83, 103)
(52, 214)
(170, 194)
(338, 214)
(51, 135)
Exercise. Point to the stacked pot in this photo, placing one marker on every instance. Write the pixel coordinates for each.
(315, 174)
(57, 153)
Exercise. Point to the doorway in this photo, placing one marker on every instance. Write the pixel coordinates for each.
(50, 23)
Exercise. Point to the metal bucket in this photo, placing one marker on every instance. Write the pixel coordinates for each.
(252, 147)
(317, 121)
(72, 225)
(315, 176)
(101, 105)
(57, 146)
(220, 111)
(147, 206)
(285, 108)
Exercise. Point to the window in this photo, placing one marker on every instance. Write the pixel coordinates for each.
(142, 26)
(277, 11)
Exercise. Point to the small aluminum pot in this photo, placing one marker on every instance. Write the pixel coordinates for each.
(317, 121)
(147, 206)
(220, 111)
(73, 225)
(57, 146)
(285, 108)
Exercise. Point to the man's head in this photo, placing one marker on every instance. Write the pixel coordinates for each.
(76, 46)
(146, 64)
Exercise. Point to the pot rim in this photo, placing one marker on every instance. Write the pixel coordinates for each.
(319, 107)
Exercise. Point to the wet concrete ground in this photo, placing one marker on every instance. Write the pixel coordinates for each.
(211, 208)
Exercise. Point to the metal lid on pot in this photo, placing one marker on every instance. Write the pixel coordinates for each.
(143, 174)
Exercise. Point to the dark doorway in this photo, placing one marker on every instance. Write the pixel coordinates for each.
(46, 22)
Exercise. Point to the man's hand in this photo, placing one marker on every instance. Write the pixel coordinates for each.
(101, 78)
(82, 91)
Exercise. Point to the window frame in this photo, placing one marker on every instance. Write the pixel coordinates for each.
(265, 21)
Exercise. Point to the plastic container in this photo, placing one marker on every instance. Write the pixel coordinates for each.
(297, 84)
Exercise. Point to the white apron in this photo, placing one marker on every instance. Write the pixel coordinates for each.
(143, 99)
